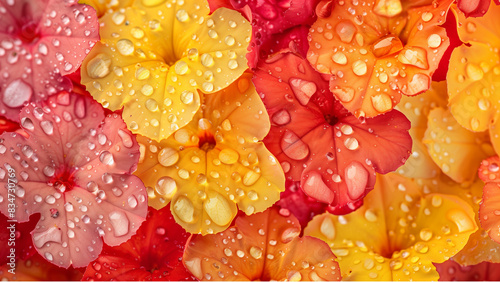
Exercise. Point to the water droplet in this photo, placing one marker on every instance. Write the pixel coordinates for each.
(315, 187)
(132, 201)
(52, 234)
(303, 89)
(281, 117)
(426, 234)
(382, 103)
(356, 178)
(434, 40)
(351, 143)
(345, 30)
(168, 156)
(181, 68)
(327, 228)
(474, 71)
(339, 58)
(184, 209)
(474, 124)
(48, 171)
(142, 74)
(106, 158)
(250, 178)
(98, 67)
(125, 47)
(17, 93)
(228, 156)
(289, 234)
(194, 266)
(207, 60)
(370, 216)
(256, 252)
(293, 146)
(359, 68)
(120, 223)
(47, 127)
(182, 16)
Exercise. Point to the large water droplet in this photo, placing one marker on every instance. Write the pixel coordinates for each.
(327, 228)
(106, 158)
(293, 146)
(125, 47)
(98, 67)
(47, 127)
(315, 187)
(184, 209)
(17, 93)
(303, 89)
(356, 178)
(218, 209)
(120, 223)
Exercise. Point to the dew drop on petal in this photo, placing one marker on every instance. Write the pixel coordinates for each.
(120, 223)
(256, 252)
(293, 146)
(47, 127)
(52, 234)
(315, 187)
(303, 89)
(99, 66)
(194, 266)
(17, 93)
(356, 178)
(184, 209)
(106, 158)
(125, 47)
(168, 156)
(218, 209)
(281, 117)
(327, 228)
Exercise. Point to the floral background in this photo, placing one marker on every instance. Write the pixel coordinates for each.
(249, 140)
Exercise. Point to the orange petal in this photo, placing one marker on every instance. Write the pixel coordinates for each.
(398, 233)
(216, 164)
(371, 69)
(264, 246)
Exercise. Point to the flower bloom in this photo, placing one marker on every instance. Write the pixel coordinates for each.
(263, 246)
(154, 56)
(216, 164)
(377, 50)
(398, 233)
(153, 253)
(74, 170)
(40, 42)
(474, 74)
(333, 154)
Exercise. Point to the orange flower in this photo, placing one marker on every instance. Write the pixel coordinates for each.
(216, 164)
(154, 56)
(377, 50)
(263, 246)
(474, 74)
(398, 233)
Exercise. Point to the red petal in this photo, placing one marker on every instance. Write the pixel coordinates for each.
(332, 153)
(7, 125)
(154, 253)
(474, 8)
(40, 41)
(18, 234)
(303, 207)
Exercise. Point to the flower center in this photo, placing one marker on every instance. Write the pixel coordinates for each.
(207, 141)
(63, 181)
(330, 119)
(28, 33)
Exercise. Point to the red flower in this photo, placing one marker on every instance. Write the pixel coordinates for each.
(39, 42)
(74, 169)
(452, 271)
(154, 253)
(332, 153)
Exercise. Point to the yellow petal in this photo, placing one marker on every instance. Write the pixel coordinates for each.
(216, 164)
(481, 29)
(153, 59)
(398, 233)
(456, 150)
(416, 109)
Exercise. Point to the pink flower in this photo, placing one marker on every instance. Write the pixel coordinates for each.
(39, 42)
(74, 169)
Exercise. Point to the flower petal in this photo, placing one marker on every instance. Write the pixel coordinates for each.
(341, 170)
(452, 271)
(263, 246)
(216, 164)
(474, 8)
(375, 53)
(40, 42)
(397, 233)
(456, 150)
(153, 253)
(156, 64)
(416, 109)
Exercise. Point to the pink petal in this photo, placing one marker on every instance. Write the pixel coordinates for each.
(41, 41)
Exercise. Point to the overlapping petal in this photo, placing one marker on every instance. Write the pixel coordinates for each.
(378, 50)
(217, 164)
(333, 154)
(456, 150)
(154, 56)
(416, 109)
(263, 246)
(73, 170)
(488, 212)
(398, 233)
(153, 253)
(41, 41)
(474, 74)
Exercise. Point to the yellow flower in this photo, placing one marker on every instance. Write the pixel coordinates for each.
(398, 233)
(216, 164)
(474, 74)
(154, 55)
